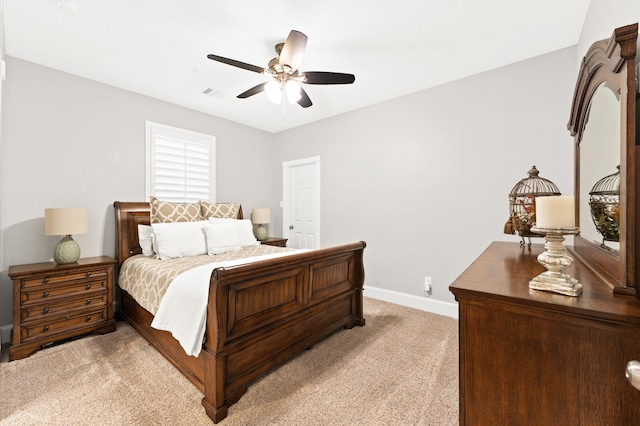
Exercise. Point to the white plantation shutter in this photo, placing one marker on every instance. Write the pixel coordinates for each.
(180, 164)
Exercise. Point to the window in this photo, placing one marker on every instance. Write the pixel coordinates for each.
(180, 164)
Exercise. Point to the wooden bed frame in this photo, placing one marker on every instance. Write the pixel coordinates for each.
(259, 316)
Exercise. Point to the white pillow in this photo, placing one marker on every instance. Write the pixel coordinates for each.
(179, 239)
(145, 239)
(244, 228)
(245, 233)
(222, 237)
(217, 220)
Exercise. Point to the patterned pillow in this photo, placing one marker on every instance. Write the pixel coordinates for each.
(222, 210)
(167, 212)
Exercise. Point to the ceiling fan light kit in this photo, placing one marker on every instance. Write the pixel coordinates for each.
(290, 89)
(274, 92)
(284, 70)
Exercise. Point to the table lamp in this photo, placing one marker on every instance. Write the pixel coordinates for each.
(261, 216)
(65, 222)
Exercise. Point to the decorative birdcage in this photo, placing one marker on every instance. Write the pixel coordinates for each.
(522, 204)
(604, 203)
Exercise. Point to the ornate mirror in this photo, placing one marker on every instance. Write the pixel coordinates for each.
(603, 123)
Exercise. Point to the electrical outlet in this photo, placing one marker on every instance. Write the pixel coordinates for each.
(427, 286)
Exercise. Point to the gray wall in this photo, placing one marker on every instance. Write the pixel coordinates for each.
(424, 179)
(602, 19)
(72, 142)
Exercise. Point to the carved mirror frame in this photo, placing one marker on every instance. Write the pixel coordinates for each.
(611, 61)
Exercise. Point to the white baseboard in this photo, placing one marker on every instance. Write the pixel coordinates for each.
(423, 303)
(5, 333)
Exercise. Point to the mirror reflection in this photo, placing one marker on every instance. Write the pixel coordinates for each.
(599, 157)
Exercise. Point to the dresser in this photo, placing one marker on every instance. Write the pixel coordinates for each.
(529, 357)
(54, 302)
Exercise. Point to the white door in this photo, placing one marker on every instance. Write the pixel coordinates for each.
(301, 206)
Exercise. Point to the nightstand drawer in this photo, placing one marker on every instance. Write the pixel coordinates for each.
(63, 290)
(40, 329)
(55, 307)
(54, 278)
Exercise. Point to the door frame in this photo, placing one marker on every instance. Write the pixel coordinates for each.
(286, 193)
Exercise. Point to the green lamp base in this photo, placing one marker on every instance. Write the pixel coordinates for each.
(261, 232)
(66, 251)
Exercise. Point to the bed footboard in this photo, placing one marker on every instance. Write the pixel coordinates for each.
(262, 314)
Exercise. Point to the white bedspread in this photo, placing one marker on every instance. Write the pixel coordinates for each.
(183, 308)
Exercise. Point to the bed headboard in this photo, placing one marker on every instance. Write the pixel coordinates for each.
(128, 216)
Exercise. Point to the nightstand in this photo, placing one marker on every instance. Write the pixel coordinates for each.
(274, 241)
(54, 302)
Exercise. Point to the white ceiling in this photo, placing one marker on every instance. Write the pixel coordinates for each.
(159, 47)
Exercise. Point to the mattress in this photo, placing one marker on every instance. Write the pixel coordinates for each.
(146, 279)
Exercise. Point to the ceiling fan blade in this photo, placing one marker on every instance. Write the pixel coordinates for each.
(253, 91)
(304, 101)
(239, 64)
(293, 49)
(322, 77)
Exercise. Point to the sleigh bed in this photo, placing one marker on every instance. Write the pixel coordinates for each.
(258, 316)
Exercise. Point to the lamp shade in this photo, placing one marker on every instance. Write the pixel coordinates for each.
(65, 221)
(261, 215)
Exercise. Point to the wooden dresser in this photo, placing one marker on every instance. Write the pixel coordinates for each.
(55, 302)
(537, 358)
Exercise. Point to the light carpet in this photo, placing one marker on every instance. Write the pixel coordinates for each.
(401, 368)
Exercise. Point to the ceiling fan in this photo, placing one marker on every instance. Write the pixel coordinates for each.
(284, 69)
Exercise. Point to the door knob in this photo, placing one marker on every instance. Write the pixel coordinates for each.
(290, 226)
(633, 374)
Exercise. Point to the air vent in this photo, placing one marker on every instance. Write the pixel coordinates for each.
(65, 6)
(214, 93)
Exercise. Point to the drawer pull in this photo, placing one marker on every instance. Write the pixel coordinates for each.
(88, 286)
(88, 301)
(45, 311)
(88, 273)
(68, 317)
(46, 280)
(632, 373)
(45, 294)
(87, 318)
(45, 328)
